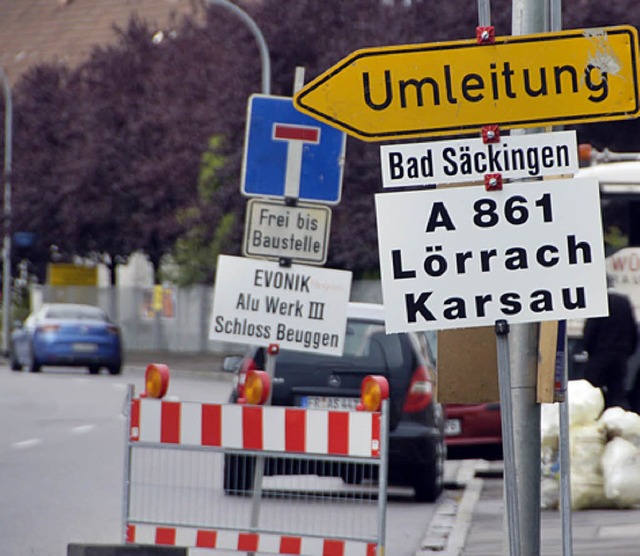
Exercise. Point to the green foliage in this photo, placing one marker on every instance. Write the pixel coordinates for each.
(212, 163)
(195, 254)
(196, 251)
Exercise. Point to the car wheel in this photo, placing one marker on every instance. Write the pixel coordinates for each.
(94, 369)
(35, 366)
(15, 364)
(238, 474)
(429, 479)
(115, 369)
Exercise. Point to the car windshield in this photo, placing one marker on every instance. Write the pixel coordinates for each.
(366, 345)
(75, 313)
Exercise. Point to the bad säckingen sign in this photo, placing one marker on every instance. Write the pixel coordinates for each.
(464, 257)
(466, 160)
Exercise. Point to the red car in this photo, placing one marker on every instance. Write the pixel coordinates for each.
(473, 431)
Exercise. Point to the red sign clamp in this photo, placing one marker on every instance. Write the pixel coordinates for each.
(486, 34)
(493, 182)
(491, 134)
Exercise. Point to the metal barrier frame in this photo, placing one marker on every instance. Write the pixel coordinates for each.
(250, 537)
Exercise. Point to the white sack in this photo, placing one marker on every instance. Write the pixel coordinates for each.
(586, 402)
(621, 472)
(620, 423)
(587, 482)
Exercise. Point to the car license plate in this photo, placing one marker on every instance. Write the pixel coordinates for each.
(330, 402)
(452, 427)
(84, 347)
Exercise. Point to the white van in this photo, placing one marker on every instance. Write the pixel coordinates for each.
(620, 199)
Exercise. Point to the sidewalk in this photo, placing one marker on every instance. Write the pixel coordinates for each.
(176, 361)
(478, 528)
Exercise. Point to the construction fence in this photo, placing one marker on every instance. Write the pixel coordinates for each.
(255, 479)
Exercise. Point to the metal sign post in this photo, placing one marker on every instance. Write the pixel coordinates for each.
(506, 415)
(529, 16)
(257, 34)
(564, 447)
(270, 368)
(6, 244)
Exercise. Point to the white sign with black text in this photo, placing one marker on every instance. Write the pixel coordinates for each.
(276, 230)
(300, 308)
(463, 257)
(468, 160)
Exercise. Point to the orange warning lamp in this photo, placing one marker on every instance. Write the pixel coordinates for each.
(156, 380)
(585, 152)
(374, 390)
(257, 387)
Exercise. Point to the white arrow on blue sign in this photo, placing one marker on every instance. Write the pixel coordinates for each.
(290, 154)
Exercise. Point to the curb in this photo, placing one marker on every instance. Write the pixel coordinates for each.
(447, 531)
(123, 550)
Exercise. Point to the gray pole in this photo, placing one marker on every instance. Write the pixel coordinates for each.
(565, 457)
(262, 44)
(555, 24)
(508, 438)
(6, 244)
(529, 16)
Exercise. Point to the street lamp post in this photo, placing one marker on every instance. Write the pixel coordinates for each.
(262, 44)
(6, 244)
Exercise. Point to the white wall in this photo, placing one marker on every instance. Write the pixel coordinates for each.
(137, 273)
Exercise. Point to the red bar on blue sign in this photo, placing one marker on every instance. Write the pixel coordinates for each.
(296, 132)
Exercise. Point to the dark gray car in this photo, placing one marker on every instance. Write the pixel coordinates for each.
(307, 379)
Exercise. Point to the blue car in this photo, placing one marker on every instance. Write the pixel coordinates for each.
(67, 335)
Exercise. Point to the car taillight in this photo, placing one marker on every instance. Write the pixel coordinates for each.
(48, 328)
(112, 329)
(247, 365)
(420, 391)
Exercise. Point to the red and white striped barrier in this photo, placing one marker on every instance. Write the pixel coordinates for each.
(246, 427)
(246, 542)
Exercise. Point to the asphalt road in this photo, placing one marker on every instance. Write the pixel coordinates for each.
(62, 450)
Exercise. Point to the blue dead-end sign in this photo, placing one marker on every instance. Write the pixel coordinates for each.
(290, 154)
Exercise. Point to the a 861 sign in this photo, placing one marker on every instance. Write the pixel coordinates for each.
(461, 257)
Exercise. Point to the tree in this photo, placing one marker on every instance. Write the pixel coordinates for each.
(132, 174)
(197, 250)
(110, 157)
(46, 131)
(123, 135)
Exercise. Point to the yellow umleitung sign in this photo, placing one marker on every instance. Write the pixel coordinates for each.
(450, 88)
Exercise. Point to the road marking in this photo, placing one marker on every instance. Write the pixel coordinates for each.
(618, 531)
(26, 443)
(31, 442)
(82, 429)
